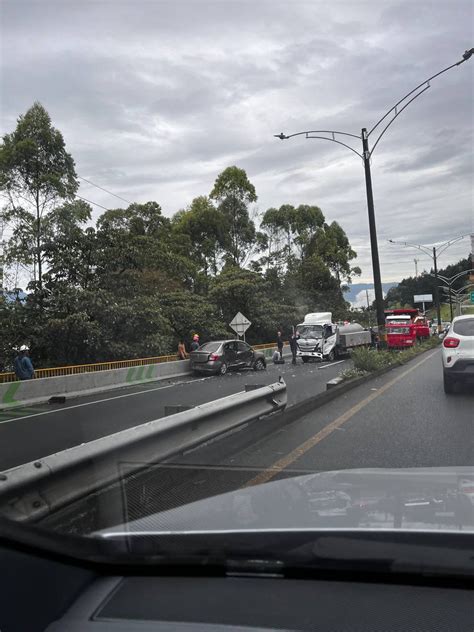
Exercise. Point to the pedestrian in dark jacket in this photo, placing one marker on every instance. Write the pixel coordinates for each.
(22, 364)
(280, 343)
(294, 345)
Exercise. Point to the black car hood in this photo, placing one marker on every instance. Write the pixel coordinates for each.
(433, 499)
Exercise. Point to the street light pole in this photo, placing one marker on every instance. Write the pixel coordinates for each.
(391, 115)
(373, 232)
(433, 253)
(449, 281)
(451, 304)
(438, 306)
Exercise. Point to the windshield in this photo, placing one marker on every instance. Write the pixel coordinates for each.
(310, 331)
(210, 346)
(212, 215)
(464, 327)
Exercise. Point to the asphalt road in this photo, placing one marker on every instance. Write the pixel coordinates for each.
(29, 433)
(402, 419)
(399, 420)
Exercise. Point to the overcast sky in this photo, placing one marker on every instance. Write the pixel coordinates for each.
(154, 99)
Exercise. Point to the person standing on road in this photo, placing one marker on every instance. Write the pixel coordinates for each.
(280, 344)
(195, 343)
(294, 344)
(373, 338)
(182, 353)
(22, 364)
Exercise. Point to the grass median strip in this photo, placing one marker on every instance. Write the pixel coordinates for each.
(310, 443)
(366, 361)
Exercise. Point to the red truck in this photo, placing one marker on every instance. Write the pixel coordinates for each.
(405, 326)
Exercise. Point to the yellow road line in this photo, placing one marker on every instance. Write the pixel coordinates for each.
(295, 454)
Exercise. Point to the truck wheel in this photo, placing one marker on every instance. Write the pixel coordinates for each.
(448, 385)
(305, 359)
(331, 356)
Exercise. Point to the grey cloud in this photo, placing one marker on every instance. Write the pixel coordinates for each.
(155, 98)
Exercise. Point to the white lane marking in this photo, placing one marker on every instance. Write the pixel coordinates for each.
(100, 401)
(329, 365)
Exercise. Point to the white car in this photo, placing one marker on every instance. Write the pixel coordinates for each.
(458, 352)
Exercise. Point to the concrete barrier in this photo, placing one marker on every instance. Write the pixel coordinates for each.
(40, 390)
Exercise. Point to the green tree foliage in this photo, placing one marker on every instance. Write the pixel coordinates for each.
(290, 231)
(233, 192)
(189, 313)
(402, 295)
(35, 172)
(133, 282)
(69, 245)
(201, 230)
(237, 289)
(331, 244)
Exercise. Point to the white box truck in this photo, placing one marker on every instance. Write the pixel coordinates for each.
(321, 339)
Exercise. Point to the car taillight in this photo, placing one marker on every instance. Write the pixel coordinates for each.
(213, 356)
(450, 343)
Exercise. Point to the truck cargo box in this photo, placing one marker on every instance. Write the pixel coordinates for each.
(353, 335)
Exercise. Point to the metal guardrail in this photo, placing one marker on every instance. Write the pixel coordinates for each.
(33, 490)
(76, 369)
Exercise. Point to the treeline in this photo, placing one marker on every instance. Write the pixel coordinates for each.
(133, 282)
(425, 283)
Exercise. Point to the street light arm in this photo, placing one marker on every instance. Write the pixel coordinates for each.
(460, 274)
(466, 56)
(283, 136)
(418, 246)
(462, 289)
(450, 280)
(446, 245)
(333, 140)
(397, 114)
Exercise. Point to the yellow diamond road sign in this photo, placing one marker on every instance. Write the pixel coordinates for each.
(240, 324)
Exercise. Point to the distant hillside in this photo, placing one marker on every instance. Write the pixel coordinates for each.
(356, 293)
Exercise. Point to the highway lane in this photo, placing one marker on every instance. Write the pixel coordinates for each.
(32, 432)
(402, 419)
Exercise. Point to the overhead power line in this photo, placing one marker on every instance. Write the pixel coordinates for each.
(91, 202)
(105, 190)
